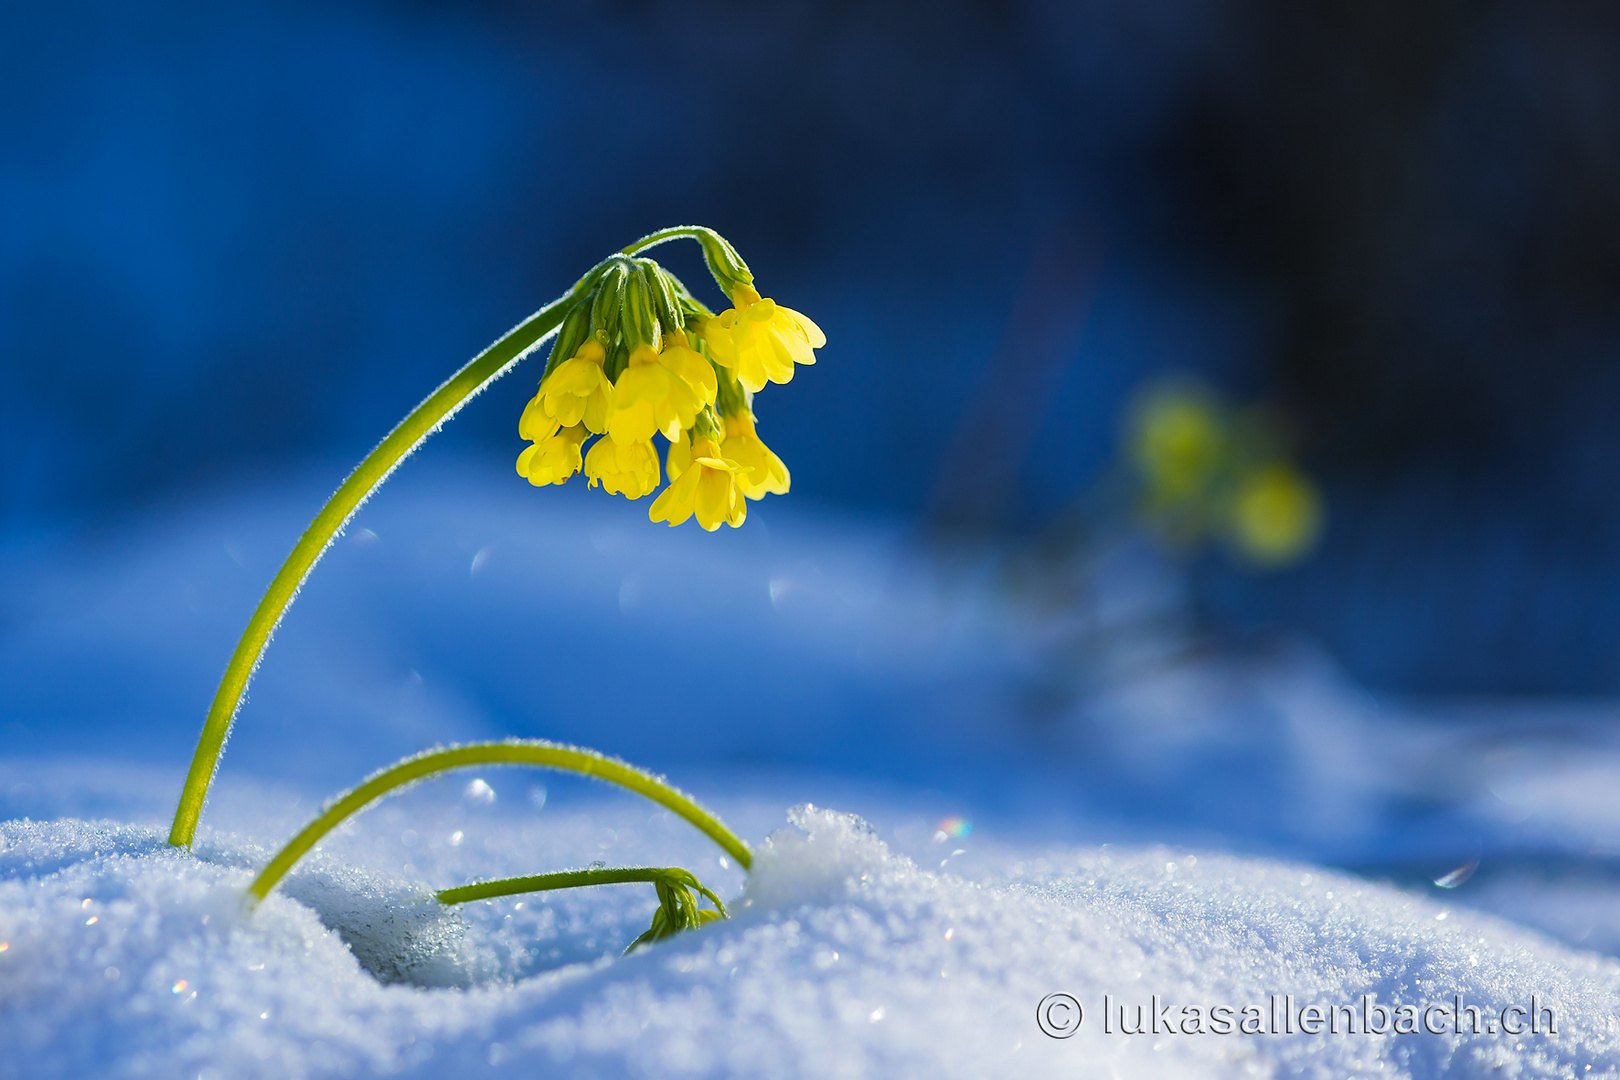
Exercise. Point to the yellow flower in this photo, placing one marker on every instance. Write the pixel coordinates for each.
(628, 469)
(1276, 515)
(576, 391)
(758, 340)
(660, 391)
(707, 487)
(759, 470)
(553, 459)
(1178, 441)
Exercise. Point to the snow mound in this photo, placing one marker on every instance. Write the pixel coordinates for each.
(844, 959)
(395, 928)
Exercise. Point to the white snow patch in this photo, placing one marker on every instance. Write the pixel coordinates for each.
(843, 960)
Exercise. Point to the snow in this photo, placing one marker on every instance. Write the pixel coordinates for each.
(843, 959)
(1068, 797)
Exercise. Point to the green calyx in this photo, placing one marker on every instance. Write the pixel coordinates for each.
(709, 425)
(732, 399)
(629, 301)
(576, 328)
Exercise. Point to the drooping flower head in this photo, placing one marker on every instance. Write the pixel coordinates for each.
(639, 356)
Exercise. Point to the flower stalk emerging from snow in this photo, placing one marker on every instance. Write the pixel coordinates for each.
(636, 355)
(677, 906)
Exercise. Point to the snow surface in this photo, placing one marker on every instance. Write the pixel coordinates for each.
(1070, 715)
(844, 959)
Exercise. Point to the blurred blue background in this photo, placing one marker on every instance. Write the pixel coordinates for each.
(238, 242)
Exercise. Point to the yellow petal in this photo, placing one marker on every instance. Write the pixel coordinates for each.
(534, 424)
(811, 332)
(566, 409)
(692, 369)
(598, 407)
(714, 497)
(574, 376)
(680, 457)
(641, 382)
(675, 503)
(634, 424)
(750, 371)
(788, 337)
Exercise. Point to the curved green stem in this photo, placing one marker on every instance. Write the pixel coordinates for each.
(664, 236)
(725, 264)
(571, 879)
(512, 752)
(423, 421)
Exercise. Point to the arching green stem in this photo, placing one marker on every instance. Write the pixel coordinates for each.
(574, 879)
(512, 752)
(725, 264)
(700, 233)
(423, 421)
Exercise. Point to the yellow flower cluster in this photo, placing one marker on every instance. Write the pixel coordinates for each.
(637, 357)
(1208, 469)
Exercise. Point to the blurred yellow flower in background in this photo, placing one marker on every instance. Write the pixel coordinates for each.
(1178, 440)
(1207, 469)
(1276, 515)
